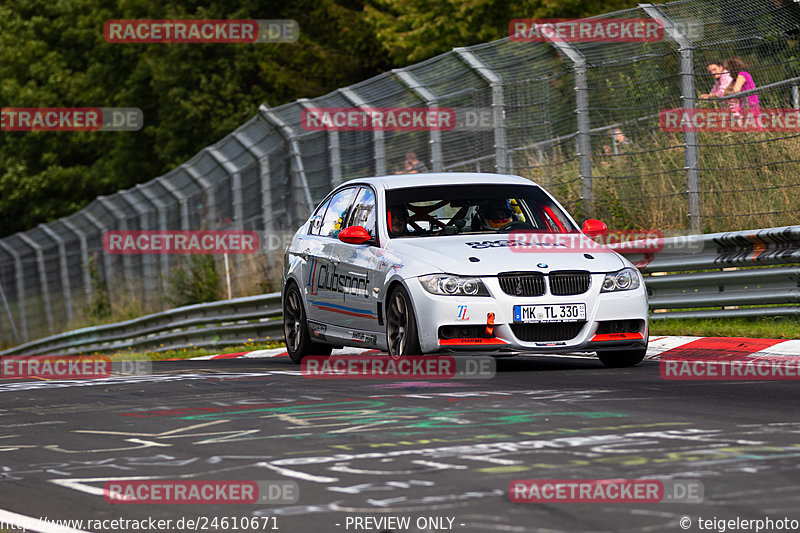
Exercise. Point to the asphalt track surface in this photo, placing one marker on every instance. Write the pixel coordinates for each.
(381, 448)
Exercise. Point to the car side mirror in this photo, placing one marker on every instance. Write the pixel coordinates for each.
(594, 228)
(355, 235)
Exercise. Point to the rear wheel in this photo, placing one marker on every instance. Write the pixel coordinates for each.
(621, 358)
(401, 326)
(295, 329)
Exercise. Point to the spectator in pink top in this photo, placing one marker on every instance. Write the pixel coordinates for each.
(722, 79)
(743, 81)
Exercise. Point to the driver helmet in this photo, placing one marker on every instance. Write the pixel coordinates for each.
(397, 219)
(495, 215)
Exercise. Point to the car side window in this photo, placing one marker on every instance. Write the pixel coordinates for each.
(337, 213)
(316, 218)
(363, 212)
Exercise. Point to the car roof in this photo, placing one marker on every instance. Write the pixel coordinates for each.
(401, 181)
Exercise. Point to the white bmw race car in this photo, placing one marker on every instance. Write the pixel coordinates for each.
(457, 262)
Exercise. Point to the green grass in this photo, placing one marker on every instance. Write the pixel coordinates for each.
(187, 353)
(764, 328)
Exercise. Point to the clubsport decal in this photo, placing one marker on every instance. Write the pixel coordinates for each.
(324, 277)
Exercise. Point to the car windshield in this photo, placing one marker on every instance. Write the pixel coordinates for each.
(472, 209)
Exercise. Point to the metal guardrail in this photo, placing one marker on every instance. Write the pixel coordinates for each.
(210, 325)
(731, 270)
(711, 274)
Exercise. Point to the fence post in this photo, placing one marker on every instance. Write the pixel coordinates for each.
(236, 184)
(686, 52)
(107, 267)
(298, 169)
(48, 308)
(87, 279)
(145, 260)
(498, 105)
(795, 97)
(208, 188)
(182, 199)
(583, 141)
(117, 213)
(377, 135)
(8, 314)
(20, 289)
(262, 160)
(62, 263)
(411, 81)
(334, 151)
(161, 209)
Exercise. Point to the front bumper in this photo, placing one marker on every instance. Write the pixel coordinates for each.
(433, 311)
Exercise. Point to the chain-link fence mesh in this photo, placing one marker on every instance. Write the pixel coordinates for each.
(580, 118)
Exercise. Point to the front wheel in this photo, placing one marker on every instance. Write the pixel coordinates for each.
(295, 329)
(622, 358)
(401, 326)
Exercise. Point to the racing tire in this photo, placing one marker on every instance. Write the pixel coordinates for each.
(402, 337)
(621, 358)
(295, 328)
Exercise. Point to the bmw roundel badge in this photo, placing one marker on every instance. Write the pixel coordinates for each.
(541, 265)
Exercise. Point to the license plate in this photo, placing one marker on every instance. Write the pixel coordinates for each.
(550, 313)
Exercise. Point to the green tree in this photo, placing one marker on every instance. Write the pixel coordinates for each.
(414, 30)
(53, 54)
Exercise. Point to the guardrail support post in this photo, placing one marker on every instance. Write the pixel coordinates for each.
(377, 135)
(583, 142)
(18, 274)
(685, 49)
(498, 105)
(48, 308)
(435, 136)
(62, 263)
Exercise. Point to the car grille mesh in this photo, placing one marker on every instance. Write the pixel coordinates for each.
(566, 283)
(522, 283)
(562, 283)
(556, 331)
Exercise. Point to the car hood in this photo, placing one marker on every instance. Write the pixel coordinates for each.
(474, 255)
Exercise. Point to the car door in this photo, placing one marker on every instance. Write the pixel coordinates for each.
(310, 248)
(358, 263)
(324, 285)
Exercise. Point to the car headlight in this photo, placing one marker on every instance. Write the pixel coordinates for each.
(626, 279)
(453, 285)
